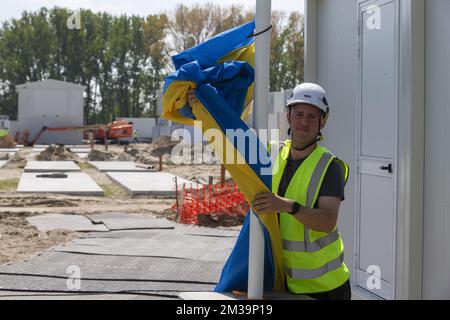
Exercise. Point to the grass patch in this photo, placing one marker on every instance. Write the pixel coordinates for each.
(9, 185)
(85, 165)
(113, 191)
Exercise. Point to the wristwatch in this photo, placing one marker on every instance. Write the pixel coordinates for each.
(295, 208)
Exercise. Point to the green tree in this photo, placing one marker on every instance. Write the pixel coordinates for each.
(226, 18)
(155, 33)
(293, 62)
(123, 60)
(120, 39)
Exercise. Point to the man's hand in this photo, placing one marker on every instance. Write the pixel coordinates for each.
(192, 98)
(271, 203)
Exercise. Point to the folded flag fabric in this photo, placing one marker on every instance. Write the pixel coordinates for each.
(221, 71)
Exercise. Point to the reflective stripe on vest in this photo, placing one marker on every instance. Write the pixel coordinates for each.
(300, 246)
(313, 186)
(303, 274)
(315, 178)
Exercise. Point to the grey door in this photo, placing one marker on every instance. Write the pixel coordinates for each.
(377, 147)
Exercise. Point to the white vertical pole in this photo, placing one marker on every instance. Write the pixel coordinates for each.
(260, 117)
(310, 41)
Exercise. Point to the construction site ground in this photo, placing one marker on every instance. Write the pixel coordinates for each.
(19, 240)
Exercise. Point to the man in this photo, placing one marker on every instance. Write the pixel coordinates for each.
(308, 187)
(135, 136)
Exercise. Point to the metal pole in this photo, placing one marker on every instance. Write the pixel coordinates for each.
(311, 41)
(222, 174)
(91, 139)
(262, 83)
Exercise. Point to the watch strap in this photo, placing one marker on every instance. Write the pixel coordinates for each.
(295, 208)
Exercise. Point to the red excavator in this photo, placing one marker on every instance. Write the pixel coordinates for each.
(113, 131)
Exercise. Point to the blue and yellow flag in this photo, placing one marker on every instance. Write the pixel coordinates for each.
(221, 71)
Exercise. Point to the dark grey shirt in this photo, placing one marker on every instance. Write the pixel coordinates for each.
(332, 185)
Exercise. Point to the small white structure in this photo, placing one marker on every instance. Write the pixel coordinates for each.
(5, 123)
(54, 104)
(384, 64)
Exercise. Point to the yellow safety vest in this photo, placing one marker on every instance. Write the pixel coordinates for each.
(3, 133)
(313, 261)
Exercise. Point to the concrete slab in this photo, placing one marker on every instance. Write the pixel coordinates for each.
(117, 166)
(79, 146)
(51, 166)
(11, 152)
(80, 150)
(206, 232)
(98, 267)
(172, 246)
(49, 284)
(142, 234)
(8, 150)
(148, 183)
(202, 232)
(37, 150)
(65, 222)
(123, 221)
(82, 155)
(76, 183)
(2, 163)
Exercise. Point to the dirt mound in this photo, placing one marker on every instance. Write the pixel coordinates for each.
(133, 152)
(214, 221)
(145, 156)
(163, 141)
(124, 157)
(20, 240)
(174, 152)
(7, 142)
(162, 146)
(34, 201)
(57, 153)
(97, 155)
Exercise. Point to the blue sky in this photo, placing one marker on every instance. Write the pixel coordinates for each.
(13, 8)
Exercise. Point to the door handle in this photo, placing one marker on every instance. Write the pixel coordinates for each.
(387, 168)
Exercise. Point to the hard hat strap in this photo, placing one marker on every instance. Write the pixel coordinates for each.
(309, 145)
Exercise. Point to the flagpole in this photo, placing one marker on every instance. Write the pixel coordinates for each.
(260, 120)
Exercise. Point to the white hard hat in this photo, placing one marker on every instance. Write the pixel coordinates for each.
(309, 93)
